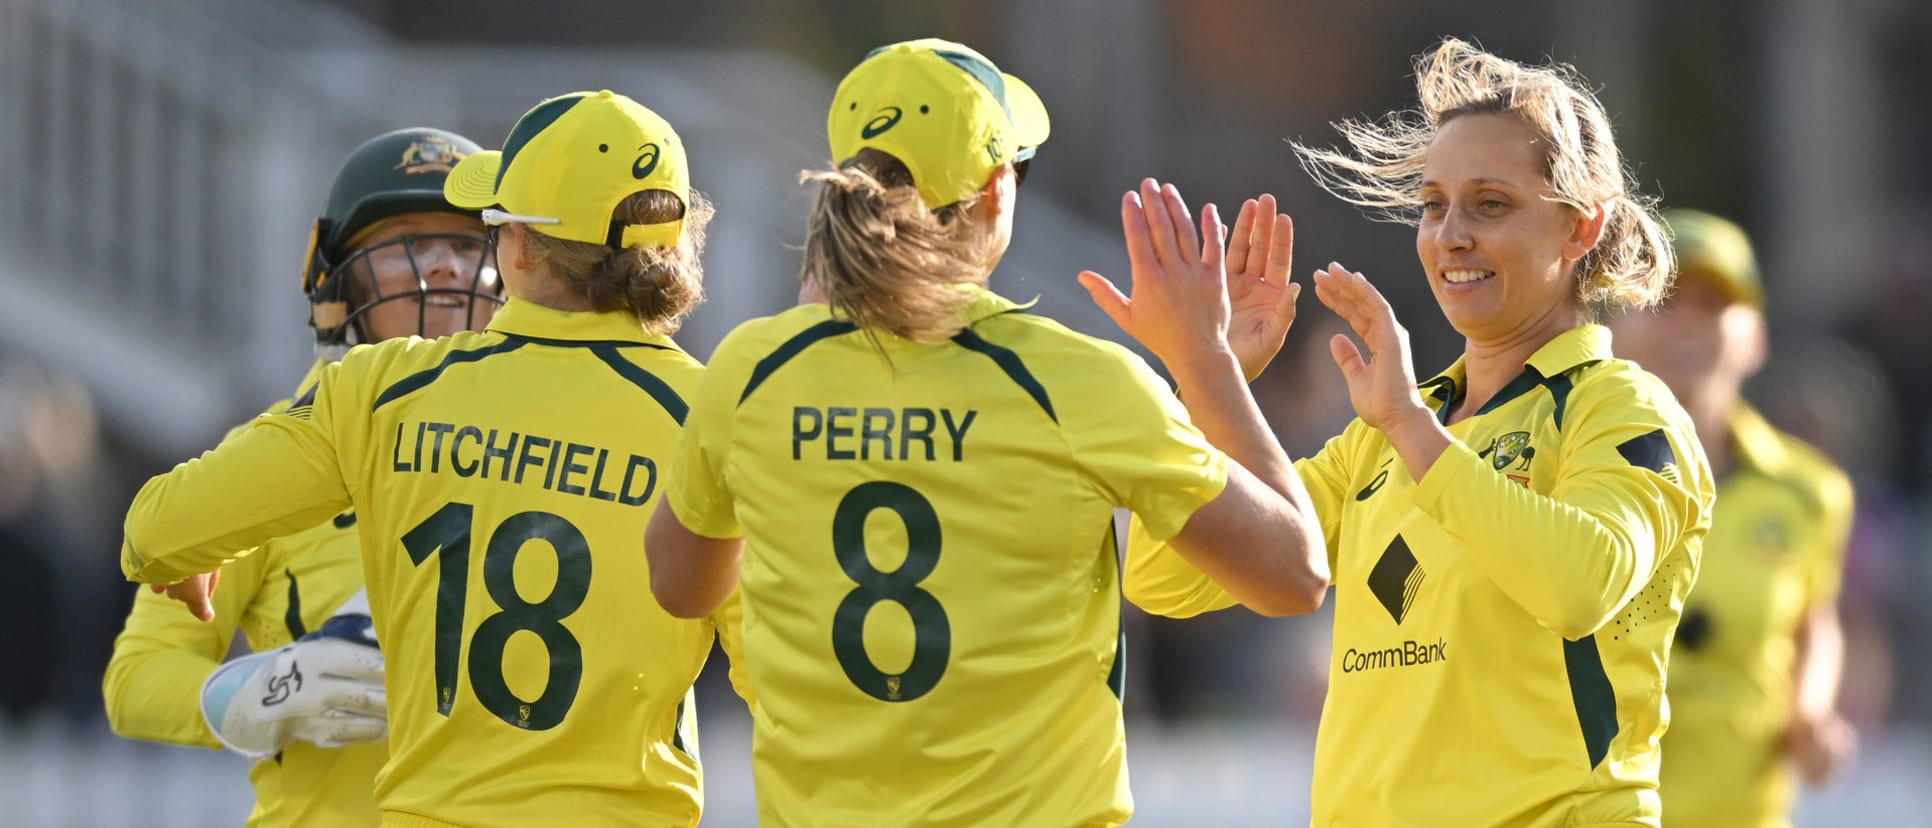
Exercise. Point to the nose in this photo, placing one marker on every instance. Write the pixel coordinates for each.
(1452, 233)
(439, 265)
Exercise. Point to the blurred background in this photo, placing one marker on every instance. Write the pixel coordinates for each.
(164, 159)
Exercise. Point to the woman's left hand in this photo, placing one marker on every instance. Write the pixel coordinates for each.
(1382, 385)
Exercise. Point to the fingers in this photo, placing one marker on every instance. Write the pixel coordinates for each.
(1140, 243)
(1347, 356)
(1211, 228)
(197, 593)
(332, 730)
(1263, 234)
(1285, 306)
(1238, 247)
(1183, 222)
(1106, 296)
(1281, 249)
(351, 697)
(1333, 293)
(1158, 225)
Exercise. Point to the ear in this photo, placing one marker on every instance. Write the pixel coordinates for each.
(519, 239)
(1002, 187)
(1586, 229)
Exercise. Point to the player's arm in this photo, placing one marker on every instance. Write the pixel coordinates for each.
(279, 476)
(1258, 537)
(1819, 739)
(1160, 580)
(691, 574)
(1630, 485)
(152, 688)
(693, 543)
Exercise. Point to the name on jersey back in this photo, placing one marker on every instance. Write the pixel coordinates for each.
(555, 464)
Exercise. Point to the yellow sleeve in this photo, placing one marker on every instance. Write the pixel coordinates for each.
(1138, 446)
(163, 655)
(1158, 580)
(729, 620)
(695, 483)
(279, 476)
(1630, 484)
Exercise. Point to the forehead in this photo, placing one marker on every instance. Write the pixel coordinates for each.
(426, 222)
(1498, 147)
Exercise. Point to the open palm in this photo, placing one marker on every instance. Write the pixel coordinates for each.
(1260, 296)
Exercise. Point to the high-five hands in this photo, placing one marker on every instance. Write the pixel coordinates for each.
(1190, 300)
(1179, 303)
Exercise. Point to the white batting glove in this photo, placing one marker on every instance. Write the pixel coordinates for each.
(325, 689)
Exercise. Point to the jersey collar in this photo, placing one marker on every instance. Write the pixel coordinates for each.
(530, 320)
(1580, 345)
(987, 304)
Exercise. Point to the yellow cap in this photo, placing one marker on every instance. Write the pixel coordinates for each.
(1709, 247)
(569, 162)
(941, 108)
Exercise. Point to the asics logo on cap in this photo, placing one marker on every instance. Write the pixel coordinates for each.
(645, 163)
(885, 120)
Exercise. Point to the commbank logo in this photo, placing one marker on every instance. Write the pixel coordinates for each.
(1409, 654)
(887, 118)
(1396, 578)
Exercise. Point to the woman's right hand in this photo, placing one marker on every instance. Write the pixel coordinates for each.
(1179, 305)
(1259, 290)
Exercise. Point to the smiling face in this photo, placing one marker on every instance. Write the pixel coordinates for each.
(429, 263)
(1499, 252)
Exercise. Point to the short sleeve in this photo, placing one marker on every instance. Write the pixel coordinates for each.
(1838, 507)
(696, 485)
(1135, 440)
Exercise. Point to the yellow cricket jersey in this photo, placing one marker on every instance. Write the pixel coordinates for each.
(502, 481)
(930, 581)
(1776, 550)
(1501, 626)
(274, 596)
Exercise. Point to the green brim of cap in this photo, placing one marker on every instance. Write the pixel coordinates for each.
(1030, 123)
(472, 182)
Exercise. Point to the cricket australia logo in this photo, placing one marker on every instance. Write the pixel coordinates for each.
(1511, 453)
(1396, 578)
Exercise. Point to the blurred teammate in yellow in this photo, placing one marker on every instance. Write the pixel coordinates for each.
(1755, 667)
(390, 257)
(1511, 540)
(920, 477)
(500, 482)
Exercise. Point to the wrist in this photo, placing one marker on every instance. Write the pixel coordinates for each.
(1204, 364)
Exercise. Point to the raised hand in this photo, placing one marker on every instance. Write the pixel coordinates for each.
(1179, 307)
(1260, 295)
(1381, 385)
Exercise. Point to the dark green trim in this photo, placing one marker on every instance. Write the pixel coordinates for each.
(1011, 363)
(677, 733)
(659, 390)
(791, 348)
(1590, 692)
(1522, 384)
(293, 617)
(417, 381)
(1444, 390)
(1650, 451)
(1117, 673)
(586, 343)
(1560, 387)
(983, 72)
(533, 122)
